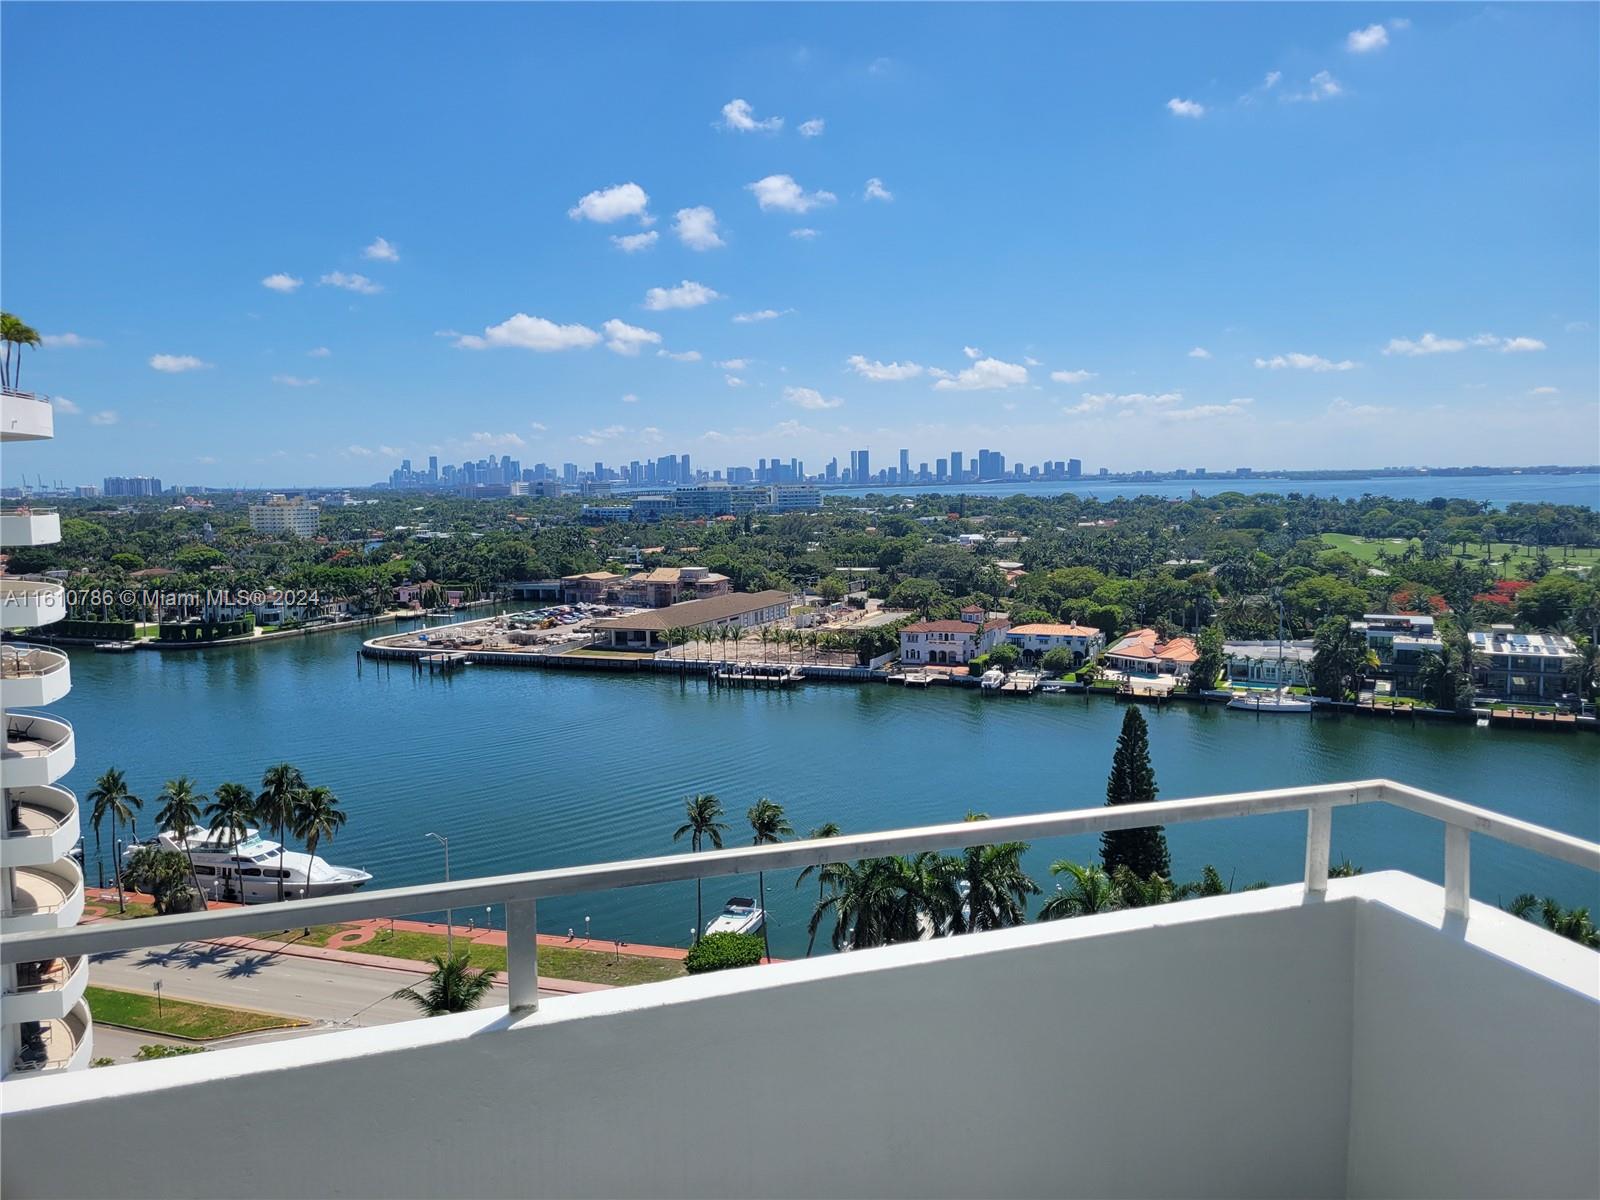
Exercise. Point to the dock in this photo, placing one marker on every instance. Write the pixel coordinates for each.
(1018, 683)
(757, 675)
(1526, 718)
(913, 678)
(443, 661)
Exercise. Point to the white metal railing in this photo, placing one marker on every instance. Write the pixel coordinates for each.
(20, 727)
(520, 892)
(23, 660)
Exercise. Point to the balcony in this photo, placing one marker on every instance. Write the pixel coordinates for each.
(32, 676)
(30, 603)
(25, 417)
(39, 750)
(1367, 1036)
(41, 826)
(44, 898)
(29, 526)
(47, 990)
(55, 1046)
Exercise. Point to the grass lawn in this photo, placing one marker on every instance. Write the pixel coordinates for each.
(1367, 549)
(178, 1018)
(135, 909)
(598, 652)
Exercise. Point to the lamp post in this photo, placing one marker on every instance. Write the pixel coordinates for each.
(449, 919)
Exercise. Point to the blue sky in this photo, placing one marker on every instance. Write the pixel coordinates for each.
(1152, 236)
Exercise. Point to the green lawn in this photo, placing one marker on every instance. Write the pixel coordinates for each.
(178, 1018)
(1367, 549)
(135, 909)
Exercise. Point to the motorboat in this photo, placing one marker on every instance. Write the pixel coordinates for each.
(739, 915)
(250, 871)
(992, 680)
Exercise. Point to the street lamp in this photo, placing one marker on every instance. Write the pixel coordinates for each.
(449, 920)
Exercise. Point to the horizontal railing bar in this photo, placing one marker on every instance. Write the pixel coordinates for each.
(1510, 830)
(565, 881)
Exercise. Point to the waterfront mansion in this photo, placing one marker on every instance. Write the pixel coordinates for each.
(952, 642)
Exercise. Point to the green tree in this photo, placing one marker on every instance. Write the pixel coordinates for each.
(1091, 892)
(1057, 661)
(821, 870)
(275, 805)
(165, 875)
(1572, 923)
(317, 816)
(703, 823)
(993, 885)
(1133, 781)
(1339, 656)
(180, 813)
(110, 797)
(454, 985)
(1005, 656)
(231, 810)
(1203, 675)
(873, 902)
(769, 826)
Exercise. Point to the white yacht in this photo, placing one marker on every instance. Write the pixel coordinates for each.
(1278, 701)
(992, 680)
(251, 870)
(739, 915)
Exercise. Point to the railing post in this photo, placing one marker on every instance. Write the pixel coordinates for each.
(522, 955)
(1319, 838)
(1457, 870)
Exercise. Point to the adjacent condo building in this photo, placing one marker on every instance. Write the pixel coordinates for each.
(282, 515)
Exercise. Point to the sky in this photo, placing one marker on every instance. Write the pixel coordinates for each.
(292, 244)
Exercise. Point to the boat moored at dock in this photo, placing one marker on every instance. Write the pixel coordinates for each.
(250, 871)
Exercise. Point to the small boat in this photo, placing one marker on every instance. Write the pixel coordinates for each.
(1279, 701)
(993, 679)
(739, 915)
(115, 647)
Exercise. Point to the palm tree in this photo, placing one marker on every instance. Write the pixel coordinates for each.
(14, 332)
(231, 812)
(280, 787)
(997, 888)
(111, 797)
(873, 902)
(824, 871)
(317, 815)
(453, 986)
(1572, 923)
(769, 826)
(1092, 892)
(702, 824)
(180, 812)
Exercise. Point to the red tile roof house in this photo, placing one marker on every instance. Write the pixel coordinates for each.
(951, 642)
(1142, 652)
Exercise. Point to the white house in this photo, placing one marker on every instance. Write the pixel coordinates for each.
(1084, 641)
(953, 642)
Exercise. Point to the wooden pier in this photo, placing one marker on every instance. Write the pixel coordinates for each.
(443, 661)
(1524, 718)
(768, 675)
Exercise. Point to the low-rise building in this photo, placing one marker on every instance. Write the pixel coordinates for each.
(1269, 664)
(1402, 643)
(607, 512)
(668, 585)
(1524, 666)
(1143, 652)
(795, 497)
(282, 515)
(650, 630)
(1084, 641)
(952, 642)
(589, 587)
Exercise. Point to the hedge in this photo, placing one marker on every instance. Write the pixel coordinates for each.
(723, 951)
(100, 631)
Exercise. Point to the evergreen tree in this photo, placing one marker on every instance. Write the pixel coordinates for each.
(1133, 781)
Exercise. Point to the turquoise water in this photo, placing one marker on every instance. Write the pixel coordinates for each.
(524, 769)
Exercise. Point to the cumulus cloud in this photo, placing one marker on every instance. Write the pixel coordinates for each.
(68, 409)
(1199, 352)
(319, 352)
(739, 117)
(810, 398)
(1342, 410)
(530, 333)
(607, 205)
(627, 398)
(734, 364)
(697, 228)
(882, 372)
(106, 416)
(1323, 86)
(66, 341)
(1186, 108)
(596, 436)
(813, 128)
(1545, 391)
(1071, 376)
(1206, 412)
(281, 282)
(351, 283)
(803, 234)
(986, 374)
(761, 314)
(1520, 345)
(972, 352)
(1303, 362)
(686, 295)
(295, 380)
(876, 191)
(495, 439)
(622, 338)
(174, 364)
(632, 243)
(381, 250)
(733, 381)
(780, 193)
(679, 355)
(1365, 41)
(1428, 343)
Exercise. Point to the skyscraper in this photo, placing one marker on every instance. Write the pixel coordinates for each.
(1074, 468)
(955, 466)
(905, 466)
(863, 466)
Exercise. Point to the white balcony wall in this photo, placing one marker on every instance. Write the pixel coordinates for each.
(29, 603)
(29, 529)
(52, 1002)
(33, 676)
(47, 830)
(25, 417)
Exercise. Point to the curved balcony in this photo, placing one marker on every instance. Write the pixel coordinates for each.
(48, 897)
(39, 750)
(25, 417)
(63, 1044)
(32, 676)
(26, 525)
(42, 825)
(30, 603)
(47, 990)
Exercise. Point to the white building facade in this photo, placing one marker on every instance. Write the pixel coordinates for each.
(281, 515)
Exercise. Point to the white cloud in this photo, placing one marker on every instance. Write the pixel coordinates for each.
(66, 341)
(1520, 345)
(537, 426)
(761, 314)
(972, 352)
(106, 416)
(987, 374)
(359, 452)
(679, 355)
(1304, 362)
(1400, 23)
(876, 191)
(1342, 410)
(530, 333)
(1029, 360)
(632, 243)
(595, 436)
(882, 372)
(319, 352)
(1071, 376)
(803, 234)
(1097, 402)
(627, 398)
(1538, 391)
(281, 282)
(381, 250)
(1271, 81)
(622, 338)
(1426, 344)
(68, 409)
(697, 228)
(733, 381)
(1323, 86)
(295, 381)
(207, 459)
(813, 128)
(492, 439)
(738, 116)
(607, 205)
(1186, 108)
(783, 194)
(1199, 352)
(1364, 41)
(1207, 412)
(686, 295)
(810, 398)
(351, 283)
(173, 364)
(734, 364)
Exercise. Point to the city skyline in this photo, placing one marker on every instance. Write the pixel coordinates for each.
(839, 228)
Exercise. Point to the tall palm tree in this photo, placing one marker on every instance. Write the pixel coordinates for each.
(231, 811)
(769, 825)
(180, 813)
(823, 872)
(14, 332)
(280, 787)
(997, 888)
(873, 902)
(453, 986)
(317, 815)
(110, 797)
(1091, 892)
(702, 823)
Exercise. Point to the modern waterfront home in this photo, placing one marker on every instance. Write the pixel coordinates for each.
(952, 642)
(44, 1019)
(1524, 666)
(1144, 652)
(1269, 664)
(1377, 1035)
(1401, 642)
(737, 610)
(1082, 641)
